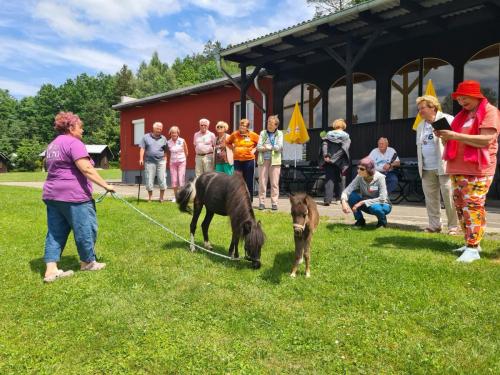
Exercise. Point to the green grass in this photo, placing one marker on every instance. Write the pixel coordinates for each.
(41, 176)
(378, 302)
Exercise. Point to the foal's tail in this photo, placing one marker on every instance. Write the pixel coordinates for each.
(185, 196)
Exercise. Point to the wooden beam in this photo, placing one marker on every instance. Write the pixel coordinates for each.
(334, 55)
(293, 41)
(365, 47)
(237, 85)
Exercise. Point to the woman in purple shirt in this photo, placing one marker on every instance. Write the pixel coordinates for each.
(67, 193)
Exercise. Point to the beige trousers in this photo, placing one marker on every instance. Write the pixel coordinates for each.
(273, 171)
(432, 184)
(203, 163)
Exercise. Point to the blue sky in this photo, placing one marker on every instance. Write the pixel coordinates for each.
(49, 41)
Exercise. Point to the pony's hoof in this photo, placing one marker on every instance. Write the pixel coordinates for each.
(208, 246)
(192, 248)
(308, 274)
(292, 275)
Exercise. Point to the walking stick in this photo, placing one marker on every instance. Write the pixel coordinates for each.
(139, 189)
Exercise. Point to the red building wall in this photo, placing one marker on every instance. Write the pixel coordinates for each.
(185, 112)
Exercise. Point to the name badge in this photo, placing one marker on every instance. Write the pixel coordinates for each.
(373, 188)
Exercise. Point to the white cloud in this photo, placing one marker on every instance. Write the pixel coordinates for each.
(17, 88)
(36, 54)
(291, 12)
(228, 8)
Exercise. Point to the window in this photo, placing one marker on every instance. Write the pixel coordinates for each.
(138, 126)
(484, 67)
(405, 86)
(364, 98)
(237, 114)
(404, 91)
(309, 96)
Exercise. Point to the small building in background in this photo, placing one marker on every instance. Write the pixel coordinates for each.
(100, 154)
(3, 162)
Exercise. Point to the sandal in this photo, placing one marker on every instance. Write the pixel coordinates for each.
(59, 274)
(453, 231)
(93, 266)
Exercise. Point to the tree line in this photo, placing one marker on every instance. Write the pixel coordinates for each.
(26, 125)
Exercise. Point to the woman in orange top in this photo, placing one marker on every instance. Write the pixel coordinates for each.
(243, 142)
(471, 149)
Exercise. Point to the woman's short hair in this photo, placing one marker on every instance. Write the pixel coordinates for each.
(339, 124)
(275, 119)
(369, 164)
(223, 124)
(65, 120)
(430, 101)
(174, 129)
(245, 121)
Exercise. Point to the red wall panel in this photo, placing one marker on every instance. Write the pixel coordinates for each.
(185, 112)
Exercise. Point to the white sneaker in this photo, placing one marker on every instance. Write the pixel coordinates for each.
(469, 255)
(462, 249)
(173, 199)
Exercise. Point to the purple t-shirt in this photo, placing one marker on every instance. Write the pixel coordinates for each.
(64, 181)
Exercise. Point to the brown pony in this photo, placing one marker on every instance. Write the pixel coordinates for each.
(305, 221)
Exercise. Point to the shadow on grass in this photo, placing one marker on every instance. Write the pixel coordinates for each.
(414, 243)
(66, 263)
(282, 265)
(241, 263)
(372, 227)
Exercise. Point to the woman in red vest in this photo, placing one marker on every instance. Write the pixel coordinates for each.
(471, 151)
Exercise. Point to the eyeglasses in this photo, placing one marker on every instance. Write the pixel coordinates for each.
(220, 127)
(361, 169)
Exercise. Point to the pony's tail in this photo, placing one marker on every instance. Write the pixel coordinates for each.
(185, 196)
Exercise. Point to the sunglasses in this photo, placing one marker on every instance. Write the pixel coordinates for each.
(361, 169)
(220, 127)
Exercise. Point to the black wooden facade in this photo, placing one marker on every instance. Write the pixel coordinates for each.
(370, 39)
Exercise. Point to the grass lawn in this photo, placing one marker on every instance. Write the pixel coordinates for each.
(41, 176)
(378, 302)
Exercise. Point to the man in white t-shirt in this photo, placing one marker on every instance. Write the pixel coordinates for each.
(386, 158)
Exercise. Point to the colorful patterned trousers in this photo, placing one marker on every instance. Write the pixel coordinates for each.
(469, 196)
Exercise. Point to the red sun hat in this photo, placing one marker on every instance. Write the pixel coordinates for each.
(468, 88)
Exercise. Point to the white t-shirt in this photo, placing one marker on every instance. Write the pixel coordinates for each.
(429, 152)
(382, 159)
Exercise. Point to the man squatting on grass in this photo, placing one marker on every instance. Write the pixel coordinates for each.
(154, 146)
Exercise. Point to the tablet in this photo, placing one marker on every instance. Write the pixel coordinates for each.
(441, 124)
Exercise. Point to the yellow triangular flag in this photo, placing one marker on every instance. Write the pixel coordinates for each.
(297, 131)
(428, 91)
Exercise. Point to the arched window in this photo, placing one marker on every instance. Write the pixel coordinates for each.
(405, 86)
(310, 97)
(484, 67)
(364, 94)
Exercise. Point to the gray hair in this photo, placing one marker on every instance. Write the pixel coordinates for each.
(204, 121)
(157, 124)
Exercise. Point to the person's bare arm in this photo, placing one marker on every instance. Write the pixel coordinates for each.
(90, 172)
(483, 139)
(141, 156)
(185, 149)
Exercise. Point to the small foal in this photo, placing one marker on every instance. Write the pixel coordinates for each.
(305, 221)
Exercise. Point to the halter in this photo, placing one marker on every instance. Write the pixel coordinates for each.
(303, 226)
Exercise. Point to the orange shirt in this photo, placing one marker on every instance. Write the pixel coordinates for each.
(243, 144)
(458, 166)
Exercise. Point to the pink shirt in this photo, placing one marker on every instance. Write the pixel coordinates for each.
(204, 143)
(176, 149)
(64, 181)
(458, 166)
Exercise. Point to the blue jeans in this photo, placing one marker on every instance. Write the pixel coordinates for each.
(159, 170)
(391, 181)
(62, 217)
(247, 170)
(380, 210)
